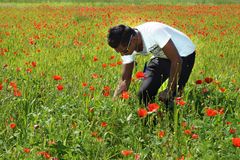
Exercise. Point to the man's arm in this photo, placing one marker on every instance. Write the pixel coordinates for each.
(125, 81)
(176, 65)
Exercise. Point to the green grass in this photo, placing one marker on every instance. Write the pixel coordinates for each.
(67, 123)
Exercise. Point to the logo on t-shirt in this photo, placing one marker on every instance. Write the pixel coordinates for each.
(157, 51)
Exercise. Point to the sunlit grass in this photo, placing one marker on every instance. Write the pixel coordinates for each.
(40, 42)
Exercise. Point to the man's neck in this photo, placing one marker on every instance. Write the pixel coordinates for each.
(139, 42)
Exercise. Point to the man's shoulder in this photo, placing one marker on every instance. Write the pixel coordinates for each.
(152, 23)
(149, 26)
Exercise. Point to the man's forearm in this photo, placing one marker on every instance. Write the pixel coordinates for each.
(125, 79)
(122, 86)
(175, 71)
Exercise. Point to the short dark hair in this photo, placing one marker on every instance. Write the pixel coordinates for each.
(119, 34)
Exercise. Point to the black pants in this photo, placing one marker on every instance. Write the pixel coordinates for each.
(157, 72)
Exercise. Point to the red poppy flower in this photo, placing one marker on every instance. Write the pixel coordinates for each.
(236, 142)
(153, 107)
(180, 103)
(31, 41)
(17, 93)
(34, 64)
(28, 70)
(84, 84)
(234, 80)
(228, 123)
(106, 88)
(188, 132)
(18, 69)
(194, 136)
(83, 57)
(222, 89)
(94, 75)
(119, 62)
(60, 87)
(125, 95)
(6, 50)
(85, 94)
(104, 65)
(36, 37)
(232, 130)
(44, 154)
(208, 79)
(181, 158)
(26, 150)
(142, 112)
(13, 84)
(113, 65)
(13, 125)
(221, 111)
(184, 124)
(211, 112)
(137, 157)
(139, 75)
(161, 134)
(94, 134)
(126, 152)
(99, 139)
(106, 93)
(204, 90)
(1, 86)
(112, 57)
(57, 77)
(95, 58)
(104, 124)
(91, 88)
(198, 81)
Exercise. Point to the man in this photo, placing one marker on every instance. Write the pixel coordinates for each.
(173, 58)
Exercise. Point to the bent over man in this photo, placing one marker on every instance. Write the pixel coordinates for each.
(173, 57)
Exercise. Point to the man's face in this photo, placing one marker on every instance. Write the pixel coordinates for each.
(126, 50)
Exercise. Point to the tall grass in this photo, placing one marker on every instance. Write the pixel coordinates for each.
(79, 121)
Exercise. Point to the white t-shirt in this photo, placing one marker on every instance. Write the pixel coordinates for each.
(155, 36)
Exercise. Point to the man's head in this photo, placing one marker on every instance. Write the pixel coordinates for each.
(121, 38)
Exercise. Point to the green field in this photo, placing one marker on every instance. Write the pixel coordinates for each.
(58, 76)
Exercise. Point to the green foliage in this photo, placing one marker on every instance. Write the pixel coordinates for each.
(80, 121)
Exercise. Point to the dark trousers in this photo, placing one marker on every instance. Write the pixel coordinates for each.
(157, 72)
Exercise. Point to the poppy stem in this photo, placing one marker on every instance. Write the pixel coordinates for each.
(175, 118)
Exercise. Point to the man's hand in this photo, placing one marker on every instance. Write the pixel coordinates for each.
(164, 96)
(122, 86)
(125, 79)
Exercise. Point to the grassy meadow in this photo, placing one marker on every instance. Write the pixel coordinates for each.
(58, 75)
